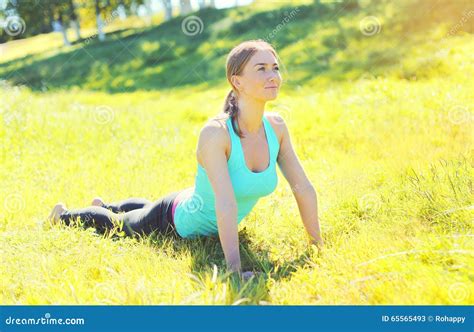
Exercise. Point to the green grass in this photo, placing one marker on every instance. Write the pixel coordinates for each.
(390, 154)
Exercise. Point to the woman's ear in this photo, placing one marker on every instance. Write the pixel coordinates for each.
(236, 82)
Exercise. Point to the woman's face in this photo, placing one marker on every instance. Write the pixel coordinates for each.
(260, 78)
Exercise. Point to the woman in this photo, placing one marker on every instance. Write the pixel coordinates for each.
(237, 155)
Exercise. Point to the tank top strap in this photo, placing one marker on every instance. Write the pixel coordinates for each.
(272, 139)
(233, 134)
(236, 153)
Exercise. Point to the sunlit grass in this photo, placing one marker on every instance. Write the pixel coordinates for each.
(395, 178)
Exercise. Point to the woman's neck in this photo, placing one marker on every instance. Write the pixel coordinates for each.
(250, 115)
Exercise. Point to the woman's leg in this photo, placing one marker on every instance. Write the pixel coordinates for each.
(122, 206)
(93, 216)
(152, 217)
(127, 205)
(156, 216)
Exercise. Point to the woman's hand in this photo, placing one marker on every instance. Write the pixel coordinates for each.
(318, 242)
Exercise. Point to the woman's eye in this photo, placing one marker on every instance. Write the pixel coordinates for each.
(263, 68)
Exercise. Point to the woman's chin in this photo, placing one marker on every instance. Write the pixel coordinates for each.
(271, 96)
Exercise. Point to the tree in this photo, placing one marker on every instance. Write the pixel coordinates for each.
(74, 19)
(100, 22)
(168, 9)
(58, 26)
(202, 4)
(185, 7)
(39, 15)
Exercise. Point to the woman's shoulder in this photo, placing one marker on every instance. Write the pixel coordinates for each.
(219, 119)
(216, 125)
(277, 122)
(214, 134)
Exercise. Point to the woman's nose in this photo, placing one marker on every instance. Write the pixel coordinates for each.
(274, 78)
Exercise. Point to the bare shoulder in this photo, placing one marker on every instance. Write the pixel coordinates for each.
(219, 120)
(215, 128)
(214, 137)
(278, 124)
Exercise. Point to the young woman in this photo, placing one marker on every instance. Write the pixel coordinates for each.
(237, 154)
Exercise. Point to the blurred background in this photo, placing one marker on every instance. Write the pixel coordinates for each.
(130, 45)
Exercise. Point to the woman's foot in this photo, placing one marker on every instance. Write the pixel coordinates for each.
(97, 202)
(56, 212)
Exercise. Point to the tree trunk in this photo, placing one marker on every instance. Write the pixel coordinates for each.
(74, 19)
(100, 22)
(168, 9)
(202, 4)
(185, 7)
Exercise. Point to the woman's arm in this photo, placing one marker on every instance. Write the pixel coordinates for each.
(211, 154)
(303, 190)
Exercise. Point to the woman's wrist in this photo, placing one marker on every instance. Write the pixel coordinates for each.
(316, 239)
(234, 267)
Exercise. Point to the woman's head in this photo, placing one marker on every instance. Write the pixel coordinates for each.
(252, 70)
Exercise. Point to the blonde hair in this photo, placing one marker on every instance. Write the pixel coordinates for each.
(238, 57)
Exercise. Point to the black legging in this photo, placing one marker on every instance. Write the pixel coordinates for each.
(141, 216)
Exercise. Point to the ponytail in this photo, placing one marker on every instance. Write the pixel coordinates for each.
(231, 107)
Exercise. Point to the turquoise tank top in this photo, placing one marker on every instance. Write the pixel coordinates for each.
(195, 214)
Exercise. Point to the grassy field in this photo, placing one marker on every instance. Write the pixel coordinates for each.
(382, 124)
